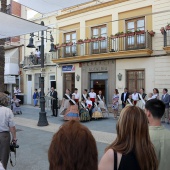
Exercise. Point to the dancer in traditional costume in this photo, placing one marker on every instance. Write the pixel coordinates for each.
(72, 113)
(92, 95)
(96, 112)
(84, 112)
(129, 101)
(85, 95)
(102, 104)
(65, 103)
(115, 103)
(155, 93)
(77, 96)
(135, 97)
(142, 99)
(89, 106)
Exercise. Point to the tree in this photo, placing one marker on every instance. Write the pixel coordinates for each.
(2, 51)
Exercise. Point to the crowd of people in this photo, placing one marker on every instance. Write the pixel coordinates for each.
(142, 143)
(84, 108)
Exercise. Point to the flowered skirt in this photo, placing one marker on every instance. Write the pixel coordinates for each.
(84, 115)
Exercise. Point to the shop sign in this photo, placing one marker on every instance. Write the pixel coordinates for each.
(68, 68)
(9, 80)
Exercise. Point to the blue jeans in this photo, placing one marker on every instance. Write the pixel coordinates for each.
(35, 102)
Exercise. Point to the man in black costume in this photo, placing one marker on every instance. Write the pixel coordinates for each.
(54, 102)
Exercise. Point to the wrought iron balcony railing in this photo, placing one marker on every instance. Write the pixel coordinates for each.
(34, 61)
(107, 45)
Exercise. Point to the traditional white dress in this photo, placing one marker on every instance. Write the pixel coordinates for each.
(155, 96)
(141, 102)
(96, 112)
(65, 105)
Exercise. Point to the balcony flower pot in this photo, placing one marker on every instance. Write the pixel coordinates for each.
(167, 27)
(162, 30)
(152, 33)
(80, 41)
(128, 33)
(101, 38)
(69, 44)
(113, 36)
(63, 44)
(57, 46)
(94, 39)
(122, 35)
(87, 41)
(140, 32)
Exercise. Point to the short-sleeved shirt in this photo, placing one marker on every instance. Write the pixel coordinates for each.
(160, 138)
(6, 119)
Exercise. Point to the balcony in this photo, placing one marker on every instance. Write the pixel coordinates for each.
(32, 61)
(8, 9)
(123, 46)
(167, 40)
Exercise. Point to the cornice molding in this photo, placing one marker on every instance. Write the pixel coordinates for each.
(103, 56)
(59, 17)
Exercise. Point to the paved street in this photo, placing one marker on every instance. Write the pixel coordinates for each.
(34, 141)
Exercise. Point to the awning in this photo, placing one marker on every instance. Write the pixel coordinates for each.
(48, 6)
(12, 26)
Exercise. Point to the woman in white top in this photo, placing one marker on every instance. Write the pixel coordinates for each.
(155, 93)
(115, 103)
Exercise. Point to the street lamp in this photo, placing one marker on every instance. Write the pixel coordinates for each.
(42, 115)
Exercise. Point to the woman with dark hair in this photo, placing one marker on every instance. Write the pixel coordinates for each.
(84, 112)
(132, 148)
(72, 112)
(155, 93)
(142, 99)
(65, 103)
(115, 103)
(73, 148)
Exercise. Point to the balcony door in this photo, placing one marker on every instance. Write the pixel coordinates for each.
(135, 79)
(135, 41)
(99, 46)
(70, 50)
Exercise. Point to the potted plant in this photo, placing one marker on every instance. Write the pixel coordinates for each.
(100, 38)
(64, 44)
(152, 33)
(87, 40)
(167, 26)
(130, 33)
(113, 36)
(93, 39)
(162, 30)
(80, 41)
(69, 44)
(138, 32)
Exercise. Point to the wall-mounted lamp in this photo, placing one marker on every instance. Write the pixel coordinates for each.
(119, 76)
(77, 77)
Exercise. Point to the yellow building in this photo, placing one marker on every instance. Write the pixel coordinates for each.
(109, 44)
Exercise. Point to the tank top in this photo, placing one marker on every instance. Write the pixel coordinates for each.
(128, 162)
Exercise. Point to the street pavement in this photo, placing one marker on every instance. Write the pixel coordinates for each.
(34, 141)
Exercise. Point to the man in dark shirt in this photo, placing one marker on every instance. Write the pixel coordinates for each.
(124, 97)
(54, 102)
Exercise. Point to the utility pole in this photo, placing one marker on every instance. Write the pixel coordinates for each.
(2, 51)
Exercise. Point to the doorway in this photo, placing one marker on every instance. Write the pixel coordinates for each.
(99, 81)
(69, 82)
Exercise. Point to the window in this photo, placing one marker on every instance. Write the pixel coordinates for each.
(70, 50)
(135, 41)
(99, 46)
(135, 79)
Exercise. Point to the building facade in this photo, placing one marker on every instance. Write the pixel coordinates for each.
(112, 45)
